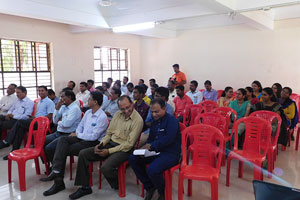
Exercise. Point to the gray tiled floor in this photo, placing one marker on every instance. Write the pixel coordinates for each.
(287, 168)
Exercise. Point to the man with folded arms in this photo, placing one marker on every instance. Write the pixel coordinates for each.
(8, 100)
(91, 129)
(164, 138)
(115, 148)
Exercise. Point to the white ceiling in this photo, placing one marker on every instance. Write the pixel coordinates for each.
(172, 15)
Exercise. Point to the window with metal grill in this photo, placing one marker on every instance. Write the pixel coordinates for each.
(24, 63)
(110, 62)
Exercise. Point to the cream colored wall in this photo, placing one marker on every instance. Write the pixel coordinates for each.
(72, 54)
(228, 56)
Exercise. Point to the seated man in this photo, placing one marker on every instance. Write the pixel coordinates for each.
(195, 94)
(71, 85)
(152, 81)
(140, 106)
(164, 138)
(52, 96)
(45, 107)
(111, 106)
(90, 85)
(130, 88)
(115, 148)
(153, 87)
(172, 92)
(145, 97)
(106, 86)
(8, 100)
(209, 93)
(67, 116)
(21, 109)
(101, 90)
(91, 129)
(181, 101)
(123, 88)
(83, 95)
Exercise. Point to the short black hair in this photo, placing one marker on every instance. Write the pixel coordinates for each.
(126, 77)
(22, 88)
(130, 85)
(195, 83)
(91, 81)
(172, 81)
(162, 91)
(97, 96)
(142, 80)
(258, 84)
(207, 82)
(289, 89)
(73, 83)
(70, 93)
(51, 92)
(124, 97)
(13, 85)
(155, 86)
(66, 88)
(43, 86)
(152, 80)
(117, 91)
(110, 79)
(140, 89)
(84, 83)
(180, 87)
(118, 82)
(144, 86)
(106, 84)
(176, 65)
(160, 102)
(99, 88)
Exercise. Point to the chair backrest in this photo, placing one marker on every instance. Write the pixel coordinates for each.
(81, 105)
(226, 112)
(270, 117)
(205, 140)
(254, 142)
(36, 101)
(209, 106)
(213, 119)
(190, 113)
(38, 133)
(220, 93)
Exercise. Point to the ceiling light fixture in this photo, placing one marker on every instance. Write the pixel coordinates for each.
(134, 27)
(105, 3)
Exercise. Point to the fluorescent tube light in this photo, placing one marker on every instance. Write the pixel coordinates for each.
(134, 27)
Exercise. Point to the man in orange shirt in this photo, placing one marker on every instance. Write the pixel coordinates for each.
(178, 77)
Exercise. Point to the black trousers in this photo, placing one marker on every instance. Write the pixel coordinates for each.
(109, 167)
(68, 146)
(6, 124)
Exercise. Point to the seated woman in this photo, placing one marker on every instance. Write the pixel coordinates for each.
(250, 96)
(257, 89)
(269, 103)
(226, 97)
(277, 88)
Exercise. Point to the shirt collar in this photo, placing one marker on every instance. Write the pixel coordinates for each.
(71, 105)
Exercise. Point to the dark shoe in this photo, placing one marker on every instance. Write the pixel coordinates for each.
(51, 177)
(80, 193)
(161, 197)
(58, 186)
(3, 145)
(149, 194)
(5, 157)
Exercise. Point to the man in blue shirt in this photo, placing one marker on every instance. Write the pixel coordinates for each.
(91, 129)
(111, 106)
(45, 107)
(164, 138)
(21, 109)
(209, 93)
(67, 116)
(52, 96)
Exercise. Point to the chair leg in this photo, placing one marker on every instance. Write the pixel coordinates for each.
(21, 169)
(9, 170)
(143, 191)
(37, 166)
(270, 163)
(71, 167)
(228, 171)
(180, 186)
(100, 175)
(241, 167)
(91, 174)
(214, 189)
(45, 162)
(297, 139)
(190, 187)
(257, 171)
(122, 187)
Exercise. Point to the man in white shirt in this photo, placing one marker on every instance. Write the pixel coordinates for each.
(152, 81)
(89, 132)
(84, 94)
(8, 100)
(124, 89)
(195, 94)
(172, 92)
(130, 88)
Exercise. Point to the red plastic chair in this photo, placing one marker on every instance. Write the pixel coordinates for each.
(204, 166)
(220, 93)
(81, 105)
(209, 106)
(22, 155)
(190, 113)
(270, 117)
(257, 138)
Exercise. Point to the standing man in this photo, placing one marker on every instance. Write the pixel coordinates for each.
(179, 77)
(90, 85)
(115, 148)
(124, 86)
(210, 93)
(195, 94)
(21, 109)
(83, 95)
(91, 129)
(111, 106)
(8, 100)
(164, 138)
(181, 101)
(45, 107)
(67, 116)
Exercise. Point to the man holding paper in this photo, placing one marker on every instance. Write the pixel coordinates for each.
(165, 139)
